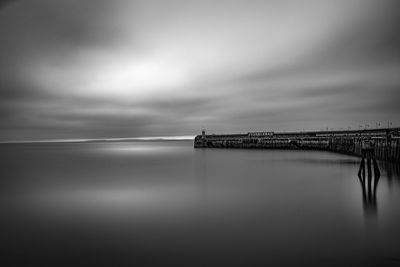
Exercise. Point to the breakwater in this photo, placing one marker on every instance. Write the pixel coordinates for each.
(385, 141)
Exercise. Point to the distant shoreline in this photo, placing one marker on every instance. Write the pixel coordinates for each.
(95, 140)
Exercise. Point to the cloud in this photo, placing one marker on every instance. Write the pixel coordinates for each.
(83, 69)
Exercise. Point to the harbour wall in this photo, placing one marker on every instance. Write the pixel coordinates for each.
(385, 142)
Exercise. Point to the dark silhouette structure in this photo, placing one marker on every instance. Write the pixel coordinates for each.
(369, 181)
(386, 141)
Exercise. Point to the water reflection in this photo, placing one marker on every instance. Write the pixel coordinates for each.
(201, 171)
(393, 171)
(143, 202)
(369, 184)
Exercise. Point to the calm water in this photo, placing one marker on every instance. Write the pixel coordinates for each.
(167, 204)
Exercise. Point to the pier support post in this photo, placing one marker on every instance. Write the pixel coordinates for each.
(369, 189)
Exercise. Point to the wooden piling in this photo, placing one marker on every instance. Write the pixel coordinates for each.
(376, 168)
(361, 170)
(369, 175)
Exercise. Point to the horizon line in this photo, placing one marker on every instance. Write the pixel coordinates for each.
(83, 140)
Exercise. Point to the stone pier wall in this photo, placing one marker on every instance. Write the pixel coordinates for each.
(387, 148)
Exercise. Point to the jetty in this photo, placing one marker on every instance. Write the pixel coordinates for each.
(384, 143)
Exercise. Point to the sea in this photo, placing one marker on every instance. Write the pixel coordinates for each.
(164, 203)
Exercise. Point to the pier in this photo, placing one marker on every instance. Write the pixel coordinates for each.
(384, 143)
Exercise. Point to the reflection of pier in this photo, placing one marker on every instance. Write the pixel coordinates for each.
(369, 184)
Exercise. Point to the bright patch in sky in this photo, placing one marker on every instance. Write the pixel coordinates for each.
(141, 78)
(115, 77)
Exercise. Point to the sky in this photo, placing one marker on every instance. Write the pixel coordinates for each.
(103, 69)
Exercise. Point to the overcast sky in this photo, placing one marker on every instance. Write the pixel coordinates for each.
(100, 68)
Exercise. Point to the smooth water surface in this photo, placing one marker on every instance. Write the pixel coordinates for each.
(167, 204)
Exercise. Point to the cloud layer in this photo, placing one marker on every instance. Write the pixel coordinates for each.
(89, 69)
